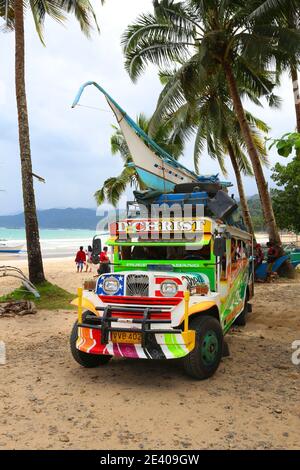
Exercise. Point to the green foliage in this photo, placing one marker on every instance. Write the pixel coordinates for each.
(286, 201)
(211, 118)
(256, 212)
(287, 144)
(57, 10)
(202, 36)
(52, 297)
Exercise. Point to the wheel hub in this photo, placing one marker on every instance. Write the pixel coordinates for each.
(210, 348)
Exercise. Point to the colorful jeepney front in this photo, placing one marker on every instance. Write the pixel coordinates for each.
(147, 326)
(143, 308)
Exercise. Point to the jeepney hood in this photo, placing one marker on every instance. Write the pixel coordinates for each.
(140, 290)
(148, 283)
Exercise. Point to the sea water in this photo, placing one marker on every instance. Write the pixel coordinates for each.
(55, 242)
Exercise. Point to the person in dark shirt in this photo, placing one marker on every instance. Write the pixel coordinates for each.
(274, 252)
(104, 262)
(259, 255)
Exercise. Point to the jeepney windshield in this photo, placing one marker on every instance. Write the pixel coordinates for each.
(184, 252)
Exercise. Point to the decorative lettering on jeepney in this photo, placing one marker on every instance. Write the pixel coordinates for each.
(151, 226)
(194, 280)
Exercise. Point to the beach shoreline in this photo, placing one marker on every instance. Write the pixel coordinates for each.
(49, 402)
(59, 248)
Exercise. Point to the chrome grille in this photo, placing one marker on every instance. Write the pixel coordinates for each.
(137, 285)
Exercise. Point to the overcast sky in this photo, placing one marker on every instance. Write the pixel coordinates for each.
(70, 148)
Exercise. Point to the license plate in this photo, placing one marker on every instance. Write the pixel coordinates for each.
(126, 337)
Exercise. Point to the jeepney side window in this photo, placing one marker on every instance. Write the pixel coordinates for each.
(247, 249)
(226, 261)
(202, 253)
(235, 254)
(139, 252)
(125, 252)
(241, 250)
(224, 267)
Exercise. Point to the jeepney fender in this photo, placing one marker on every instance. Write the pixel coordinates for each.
(201, 307)
(87, 304)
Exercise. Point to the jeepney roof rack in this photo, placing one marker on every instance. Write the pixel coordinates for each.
(132, 209)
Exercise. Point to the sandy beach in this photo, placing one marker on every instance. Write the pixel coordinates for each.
(47, 401)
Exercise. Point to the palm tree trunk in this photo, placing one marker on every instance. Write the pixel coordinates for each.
(239, 182)
(35, 263)
(296, 91)
(262, 185)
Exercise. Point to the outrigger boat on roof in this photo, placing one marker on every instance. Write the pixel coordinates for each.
(157, 168)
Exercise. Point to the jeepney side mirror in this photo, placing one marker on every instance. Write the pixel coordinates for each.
(219, 246)
(97, 248)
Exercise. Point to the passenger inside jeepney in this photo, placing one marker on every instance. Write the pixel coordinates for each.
(235, 255)
(202, 253)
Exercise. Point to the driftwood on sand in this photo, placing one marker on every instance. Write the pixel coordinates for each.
(14, 308)
(12, 271)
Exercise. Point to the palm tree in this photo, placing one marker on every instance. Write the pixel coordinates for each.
(285, 12)
(114, 187)
(204, 36)
(213, 121)
(83, 12)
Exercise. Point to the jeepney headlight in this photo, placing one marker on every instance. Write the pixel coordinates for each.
(111, 285)
(168, 288)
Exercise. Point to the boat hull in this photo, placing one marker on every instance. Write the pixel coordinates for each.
(11, 249)
(156, 172)
(155, 182)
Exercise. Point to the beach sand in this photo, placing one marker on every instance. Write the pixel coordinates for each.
(47, 401)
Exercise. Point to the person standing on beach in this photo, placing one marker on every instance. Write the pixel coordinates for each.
(80, 259)
(104, 262)
(89, 260)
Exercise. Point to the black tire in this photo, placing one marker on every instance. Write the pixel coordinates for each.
(86, 360)
(201, 363)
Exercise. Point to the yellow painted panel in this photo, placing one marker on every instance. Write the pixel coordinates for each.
(86, 304)
(201, 307)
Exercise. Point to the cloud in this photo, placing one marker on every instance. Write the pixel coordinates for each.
(71, 148)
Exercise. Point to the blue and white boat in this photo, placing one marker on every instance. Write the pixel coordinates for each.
(157, 168)
(7, 247)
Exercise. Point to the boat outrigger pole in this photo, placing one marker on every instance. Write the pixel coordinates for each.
(123, 115)
(156, 167)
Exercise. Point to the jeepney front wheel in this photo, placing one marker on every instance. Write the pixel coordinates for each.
(203, 361)
(84, 359)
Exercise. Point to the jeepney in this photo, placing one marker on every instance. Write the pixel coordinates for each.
(168, 296)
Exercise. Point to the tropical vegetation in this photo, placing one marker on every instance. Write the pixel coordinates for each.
(211, 117)
(286, 197)
(13, 11)
(207, 38)
(287, 13)
(286, 200)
